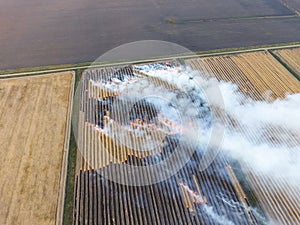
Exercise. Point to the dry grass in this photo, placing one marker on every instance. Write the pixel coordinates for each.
(33, 119)
(291, 57)
(255, 73)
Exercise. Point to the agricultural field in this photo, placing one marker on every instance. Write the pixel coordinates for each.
(34, 139)
(35, 132)
(198, 26)
(188, 197)
(291, 57)
(255, 73)
(260, 76)
(228, 190)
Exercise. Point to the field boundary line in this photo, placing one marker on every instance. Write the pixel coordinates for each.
(189, 56)
(263, 17)
(64, 164)
(291, 8)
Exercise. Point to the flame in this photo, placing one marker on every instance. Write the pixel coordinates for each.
(196, 198)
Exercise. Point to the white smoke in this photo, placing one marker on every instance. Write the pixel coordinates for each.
(267, 135)
(281, 112)
(260, 123)
(219, 219)
(259, 217)
(258, 119)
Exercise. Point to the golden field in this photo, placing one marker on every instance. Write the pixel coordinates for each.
(34, 134)
(291, 57)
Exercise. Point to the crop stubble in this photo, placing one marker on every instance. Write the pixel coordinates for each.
(33, 119)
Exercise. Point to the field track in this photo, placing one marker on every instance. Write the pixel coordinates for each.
(34, 119)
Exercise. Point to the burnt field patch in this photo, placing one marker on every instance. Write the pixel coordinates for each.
(232, 190)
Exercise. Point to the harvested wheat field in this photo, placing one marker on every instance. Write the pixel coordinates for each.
(34, 124)
(256, 74)
(235, 189)
(185, 198)
(260, 76)
(291, 57)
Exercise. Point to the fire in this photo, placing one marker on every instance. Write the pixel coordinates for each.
(194, 196)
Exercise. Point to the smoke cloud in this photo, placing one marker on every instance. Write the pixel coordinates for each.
(268, 136)
(265, 135)
(219, 219)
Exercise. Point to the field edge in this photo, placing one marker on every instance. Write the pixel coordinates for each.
(18, 72)
(64, 164)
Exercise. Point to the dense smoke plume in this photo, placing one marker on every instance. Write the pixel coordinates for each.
(268, 140)
(264, 135)
(267, 134)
